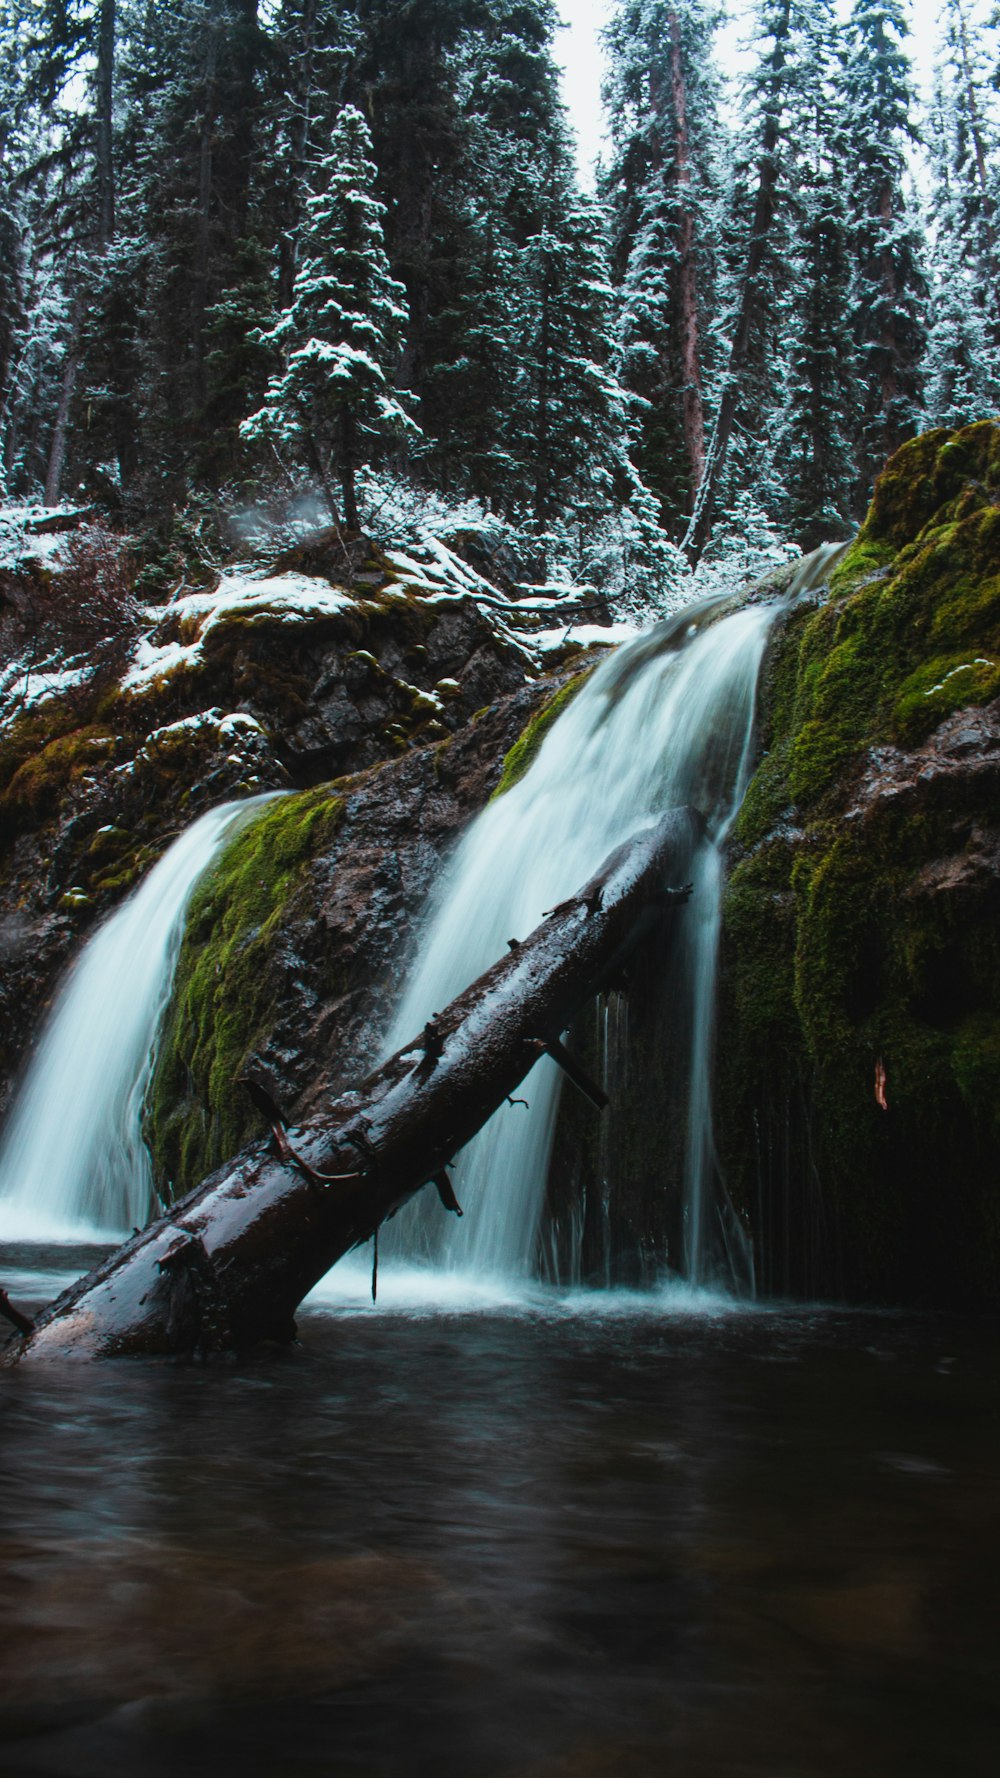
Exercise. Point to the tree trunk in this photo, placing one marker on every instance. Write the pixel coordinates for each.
(982, 171)
(104, 85)
(231, 1262)
(750, 300)
(687, 274)
(348, 452)
(60, 432)
(889, 371)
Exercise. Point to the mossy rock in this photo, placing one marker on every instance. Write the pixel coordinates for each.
(227, 988)
(40, 777)
(526, 747)
(861, 947)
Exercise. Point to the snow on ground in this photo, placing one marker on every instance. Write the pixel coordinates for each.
(536, 622)
(585, 635)
(23, 541)
(430, 571)
(245, 598)
(438, 569)
(23, 685)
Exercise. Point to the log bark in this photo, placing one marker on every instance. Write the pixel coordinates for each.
(230, 1263)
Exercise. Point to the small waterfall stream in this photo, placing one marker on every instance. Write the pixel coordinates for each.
(665, 720)
(72, 1160)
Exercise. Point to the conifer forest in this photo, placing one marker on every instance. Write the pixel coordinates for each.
(499, 888)
(249, 249)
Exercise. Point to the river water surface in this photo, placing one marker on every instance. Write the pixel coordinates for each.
(519, 1535)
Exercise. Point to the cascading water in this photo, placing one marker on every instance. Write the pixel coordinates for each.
(72, 1159)
(665, 720)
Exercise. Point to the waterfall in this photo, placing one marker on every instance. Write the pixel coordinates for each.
(666, 719)
(72, 1159)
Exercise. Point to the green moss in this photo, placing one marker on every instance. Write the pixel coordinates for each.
(911, 632)
(227, 990)
(863, 937)
(38, 783)
(523, 752)
(939, 686)
(767, 797)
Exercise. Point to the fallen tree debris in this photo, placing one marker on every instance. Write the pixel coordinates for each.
(228, 1265)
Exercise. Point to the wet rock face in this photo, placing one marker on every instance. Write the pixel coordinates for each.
(860, 1019)
(959, 761)
(258, 690)
(301, 999)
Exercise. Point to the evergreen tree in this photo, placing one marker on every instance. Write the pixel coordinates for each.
(578, 414)
(12, 225)
(962, 371)
(58, 216)
(194, 79)
(966, 159)
(339, 339)
(516, 150)
(889, 289)
(476, 369)
(404, 79)
(311, 51)
(761, 274)
(816, 437)
(962, 375)
(662, 94)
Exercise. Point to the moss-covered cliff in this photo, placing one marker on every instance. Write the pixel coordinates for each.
(859, 1090)
(295, 940)
(329, 661)
(229, 983)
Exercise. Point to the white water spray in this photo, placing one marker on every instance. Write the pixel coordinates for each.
(72, 1160)
(666, 720)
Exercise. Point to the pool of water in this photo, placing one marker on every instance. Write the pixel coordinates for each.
(486, 1533)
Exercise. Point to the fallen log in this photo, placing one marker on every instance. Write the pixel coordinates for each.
(230, 1262)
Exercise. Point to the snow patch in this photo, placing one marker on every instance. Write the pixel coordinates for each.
(585, 635)
(966, 667)
(232, 727)
(24, 685)
(35, 535)
(239, 597)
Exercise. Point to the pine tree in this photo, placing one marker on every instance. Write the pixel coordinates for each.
(889, 288)
(967, 157)
(962, 373)
(404, 79)
(579, 417)
(816, 439)
(476, 368)
(760, 272)
(59, 214)
(12, 224)
(962, 370)
(339, 339)
(662, 94)
(97, 33)
(312, 47)
(193, 80)
(515, 147)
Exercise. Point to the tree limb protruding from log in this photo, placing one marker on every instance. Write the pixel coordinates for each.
(230, 1263)
(15, 1316)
